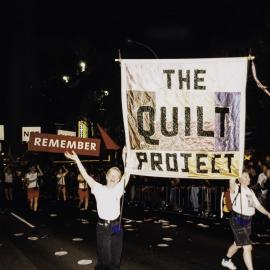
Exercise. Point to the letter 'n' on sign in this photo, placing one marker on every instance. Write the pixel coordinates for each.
(52, 143)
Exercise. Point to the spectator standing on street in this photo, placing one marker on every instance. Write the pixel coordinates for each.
(61, 183)
(261, 182)
(108, 197)
(9, 176)
(267, 186)
(244, 204)
(31, 179)
(1, 189)
(83, 192)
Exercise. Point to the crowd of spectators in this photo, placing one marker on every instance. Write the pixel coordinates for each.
(196, 197)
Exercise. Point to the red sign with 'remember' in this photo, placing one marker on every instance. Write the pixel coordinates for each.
(43, 142)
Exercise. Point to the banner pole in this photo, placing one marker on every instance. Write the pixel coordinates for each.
(250, 57)
(119, 57)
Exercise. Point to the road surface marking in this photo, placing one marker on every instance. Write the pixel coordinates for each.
(23, 220)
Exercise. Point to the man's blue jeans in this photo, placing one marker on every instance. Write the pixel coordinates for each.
(109, 247)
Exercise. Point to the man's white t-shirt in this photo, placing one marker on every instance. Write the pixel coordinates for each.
(249, 201)
(108, 200)
(31, 177)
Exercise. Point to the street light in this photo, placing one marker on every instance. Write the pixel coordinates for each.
(83, 66)
(66, 78)
(106, 92)
(143, 45)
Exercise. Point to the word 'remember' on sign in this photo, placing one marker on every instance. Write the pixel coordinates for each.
(59, 144)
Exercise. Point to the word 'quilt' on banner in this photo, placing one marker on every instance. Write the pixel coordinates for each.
(185, 118)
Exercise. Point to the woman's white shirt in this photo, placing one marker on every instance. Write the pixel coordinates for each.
(8, 178)
(61, 179)
(108, 200)
(247, 198)
(82, 185)
(32, 176)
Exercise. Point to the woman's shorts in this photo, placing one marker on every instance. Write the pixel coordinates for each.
(83, 193)
(241, 227)
(32, 193)
(61, 187)
(8, 185)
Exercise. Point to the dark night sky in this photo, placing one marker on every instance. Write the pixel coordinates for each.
(47, 41)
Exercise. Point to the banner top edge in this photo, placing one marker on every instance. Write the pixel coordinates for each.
(229, 59)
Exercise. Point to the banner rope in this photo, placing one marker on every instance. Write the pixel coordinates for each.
(254, 74)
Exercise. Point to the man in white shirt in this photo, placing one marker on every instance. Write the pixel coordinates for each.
(244, 204)
(262, 178)
(109, 231)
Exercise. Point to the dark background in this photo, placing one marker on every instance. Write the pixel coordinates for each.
(44, 41)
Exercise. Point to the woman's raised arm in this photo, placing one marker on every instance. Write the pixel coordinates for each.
(90, 181)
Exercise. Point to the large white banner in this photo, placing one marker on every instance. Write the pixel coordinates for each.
(2, 133)
(185, 118)
(26, 132)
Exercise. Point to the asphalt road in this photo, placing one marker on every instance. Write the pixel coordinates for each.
(152, 239)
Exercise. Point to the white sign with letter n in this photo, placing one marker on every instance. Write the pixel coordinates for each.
(26, 132)
(2, 133)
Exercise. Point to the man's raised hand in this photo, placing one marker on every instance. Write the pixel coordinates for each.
(73, 156)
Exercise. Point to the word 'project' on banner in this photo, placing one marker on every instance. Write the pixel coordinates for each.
(185, 118)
